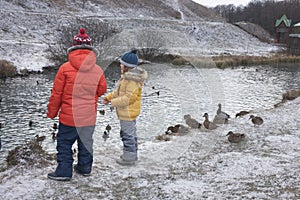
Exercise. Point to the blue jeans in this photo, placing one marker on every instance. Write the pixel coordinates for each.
(66, 137)
(129, 139)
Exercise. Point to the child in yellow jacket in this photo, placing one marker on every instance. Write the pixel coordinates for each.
(127, 99)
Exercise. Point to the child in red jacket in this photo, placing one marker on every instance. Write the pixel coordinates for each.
(77, 86)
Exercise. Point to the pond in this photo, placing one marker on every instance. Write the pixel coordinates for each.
(169, 94)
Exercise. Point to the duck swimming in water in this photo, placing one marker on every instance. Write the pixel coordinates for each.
(105, 135)
(108, 128)
(55, 126)
(1, 125)
(32, 123)
(102, 112)
(53, 135)
(40, 138)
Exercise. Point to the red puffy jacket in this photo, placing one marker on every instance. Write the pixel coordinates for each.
(76, 88)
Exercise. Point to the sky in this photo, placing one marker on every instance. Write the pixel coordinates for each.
(213, 3)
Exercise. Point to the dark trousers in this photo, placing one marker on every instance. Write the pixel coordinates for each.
(66, 137)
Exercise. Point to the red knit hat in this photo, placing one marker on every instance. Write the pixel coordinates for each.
(82, 38)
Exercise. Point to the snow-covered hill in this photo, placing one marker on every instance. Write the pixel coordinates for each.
(27, 27)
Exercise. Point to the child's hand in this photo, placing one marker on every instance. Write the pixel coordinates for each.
(104, 101)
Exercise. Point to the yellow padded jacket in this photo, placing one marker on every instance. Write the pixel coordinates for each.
(127, 96)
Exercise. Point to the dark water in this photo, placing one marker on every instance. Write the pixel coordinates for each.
(185, 90)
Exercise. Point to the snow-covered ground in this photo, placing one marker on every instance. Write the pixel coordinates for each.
(202, 164)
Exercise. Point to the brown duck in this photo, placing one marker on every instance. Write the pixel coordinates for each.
(207, 124)
(256, 120)
(235, 137)
(242, 113)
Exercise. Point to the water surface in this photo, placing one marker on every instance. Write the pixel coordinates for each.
(182, 90)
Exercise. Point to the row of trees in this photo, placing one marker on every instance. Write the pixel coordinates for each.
(261, 12)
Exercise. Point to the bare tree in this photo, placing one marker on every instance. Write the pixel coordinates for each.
(150, 43)
(97, 29)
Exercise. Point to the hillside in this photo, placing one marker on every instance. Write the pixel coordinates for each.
(28, 27)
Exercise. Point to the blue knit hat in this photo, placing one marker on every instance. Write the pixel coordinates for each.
(130, 59)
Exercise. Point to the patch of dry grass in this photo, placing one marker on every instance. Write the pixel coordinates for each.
(232, 61)
(30, 154)
(7, 69)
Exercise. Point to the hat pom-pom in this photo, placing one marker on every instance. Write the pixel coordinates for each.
(82, 31)
(134, 51)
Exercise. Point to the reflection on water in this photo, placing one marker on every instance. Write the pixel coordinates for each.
(182, 91)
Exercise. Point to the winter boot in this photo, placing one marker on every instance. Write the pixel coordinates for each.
(54, 176)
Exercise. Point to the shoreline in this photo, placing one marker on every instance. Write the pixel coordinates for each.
(234, 61)
(227, 61)
(221, 62)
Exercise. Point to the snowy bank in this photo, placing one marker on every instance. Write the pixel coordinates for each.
(202, 164)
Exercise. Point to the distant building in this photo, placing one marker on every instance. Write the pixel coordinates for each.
(282, 27)
(294, 40)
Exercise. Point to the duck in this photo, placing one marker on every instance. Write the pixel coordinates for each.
(256, 120)
(242, 113)
(53, 135)
(191, 122)
(40, 138)
(221, 117)
(235, 137)
(173, 129)
(1, 125)
(108, 128)
(102, 112)
(105, 135)
(55, 126)
(178, 129)
(32, 123)
(207, 124)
